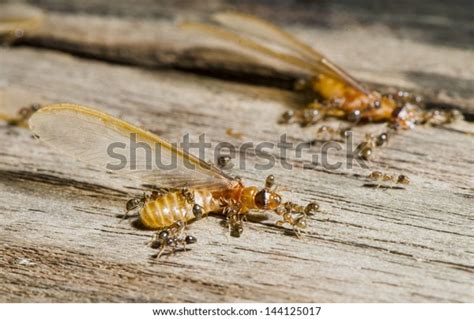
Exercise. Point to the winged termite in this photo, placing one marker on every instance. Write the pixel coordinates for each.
(341, 94)
(337, 93)
(191, 189)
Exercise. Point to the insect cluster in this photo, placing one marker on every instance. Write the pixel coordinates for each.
(171, 207)
(207, 189)
(386, 178)
(334, 93)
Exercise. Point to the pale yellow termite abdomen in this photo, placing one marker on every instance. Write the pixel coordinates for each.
(172, 207)
(165, 211)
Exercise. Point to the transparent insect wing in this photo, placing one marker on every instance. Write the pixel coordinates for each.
(259, 35)
(89, 135)
(267, 31)
(264, 30)
(251, 47)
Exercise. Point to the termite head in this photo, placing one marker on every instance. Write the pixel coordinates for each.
(375, 108)
(267, 199)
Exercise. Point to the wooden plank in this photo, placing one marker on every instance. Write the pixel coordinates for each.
(402, 50)
(62, 240)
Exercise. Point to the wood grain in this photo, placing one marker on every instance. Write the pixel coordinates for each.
(402, 50)
(61, 235)
(366, 245)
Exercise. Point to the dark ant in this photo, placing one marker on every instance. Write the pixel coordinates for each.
(172, 238)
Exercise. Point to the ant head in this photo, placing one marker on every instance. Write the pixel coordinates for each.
(188, 195)
(134, 203)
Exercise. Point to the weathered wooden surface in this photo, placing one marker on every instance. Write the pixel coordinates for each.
(402, 44)
(62, 240)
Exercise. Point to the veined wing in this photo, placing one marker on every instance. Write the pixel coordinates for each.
(268, 31)
(251, 44)
(263, 30)
(112, 144)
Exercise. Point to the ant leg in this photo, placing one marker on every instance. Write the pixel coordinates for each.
(172, 237)
(177, 229)
(159, 240)
(385, 189)
(160, 252)
(309, 115)
(295, 216)
(296, 223)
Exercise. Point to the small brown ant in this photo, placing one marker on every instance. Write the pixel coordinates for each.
(224, 162)
(382, 177)
(231, 133)
(371, 141)
(326, 132)
(172, 238)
